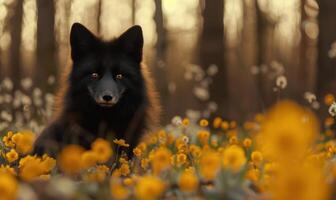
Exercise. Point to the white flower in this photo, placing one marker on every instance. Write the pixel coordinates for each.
(332, 51)
(26, 83)
(201, 93)
(281, 82)
(212, 106)
(212, 70)
(315, 105)
(255, 70)
(177, 120)
(310, 97)
(332, 109)
(51, 80)
(277, 67)
(193, 114)
(7, 84)
(172, 87)
(6, 116)
(37, 92)
(185, 139)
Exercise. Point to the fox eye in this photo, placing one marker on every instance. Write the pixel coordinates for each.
(94, 75)
(119, 76)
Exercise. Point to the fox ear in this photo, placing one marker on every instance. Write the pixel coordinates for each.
(81, 41)
(131, 42)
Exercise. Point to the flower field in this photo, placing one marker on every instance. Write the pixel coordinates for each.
(282, 154)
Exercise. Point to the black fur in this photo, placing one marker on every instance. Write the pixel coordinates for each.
(84, 115)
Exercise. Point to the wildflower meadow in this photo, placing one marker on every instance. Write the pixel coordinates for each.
(284, 153)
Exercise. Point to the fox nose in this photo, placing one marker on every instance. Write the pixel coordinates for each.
(107, 97)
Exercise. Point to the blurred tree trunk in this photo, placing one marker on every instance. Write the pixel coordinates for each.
(160, 30)
(46, 48)
(99, 13)
(306, 77)
(1, 67)
(326, 75)
(246, 100)
(265, 31)
(133, 6)
(15, 26)
(159, 69)
(212, 50)
(249, 33)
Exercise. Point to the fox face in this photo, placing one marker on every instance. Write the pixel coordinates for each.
(106, 72)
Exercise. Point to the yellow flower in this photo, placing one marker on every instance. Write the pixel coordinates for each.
(160, 159)
(330, 146)
(12, 155)
(123, 160)
(233, 140)
(142, 146)
(181, 159)
(217, 122)
(203, 136)
(144, 163)
(287, 131)
(116, 173)
(7, 140)
(250, 125)
(247, 142)
(329, 121)
(188, 181)
(329, 99)
(121, 142)
(137, 151)
(8, 187)
(24, 141)
(225, 125)
(256, 157)
(299, 182)
(69, 159)
(25, 160)
(119, 192)
(233, 124)
(47, 163)
(149, 188)
(128, 181)
(234, 158)
(103, 168)
(89, 159)
(32, 167)
(182, 148)
(98, 174)
(195, 151)
(271, 168)
(170, 139)
(103, 150)
(152, 139)
(253, 175)
(162, 135)
(124, 169)
(204, 123)
(7, 169)
(185, 122)
(179, 141)
(209, 164)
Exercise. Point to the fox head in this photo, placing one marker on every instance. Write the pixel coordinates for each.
(106, 71)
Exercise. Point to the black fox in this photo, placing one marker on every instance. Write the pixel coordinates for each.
(108, 93)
